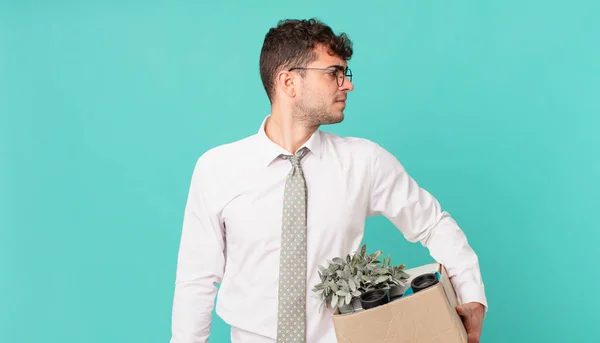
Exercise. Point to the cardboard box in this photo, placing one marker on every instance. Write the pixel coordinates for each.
(426, 316)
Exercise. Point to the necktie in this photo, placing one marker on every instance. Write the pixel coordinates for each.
(291, 315)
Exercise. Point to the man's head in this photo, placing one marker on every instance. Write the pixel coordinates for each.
(303, 67)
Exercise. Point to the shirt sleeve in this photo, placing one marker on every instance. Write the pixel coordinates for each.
(200, 264)
(418, 215)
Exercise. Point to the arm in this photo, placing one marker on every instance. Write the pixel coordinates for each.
(200, 263)
(417, 214)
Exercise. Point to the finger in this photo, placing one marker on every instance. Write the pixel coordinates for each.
(473, 331)
(473, 338)
(462, 311)
(469, 322)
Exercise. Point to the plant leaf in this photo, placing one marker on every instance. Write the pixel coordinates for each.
(381, 270)
(377, 254)
(381, 278)
(345, 285)
(341, 301)
(352, 285)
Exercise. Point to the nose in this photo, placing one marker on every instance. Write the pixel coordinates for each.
(347, 86)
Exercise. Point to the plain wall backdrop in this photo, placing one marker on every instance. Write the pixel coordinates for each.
(105, 106)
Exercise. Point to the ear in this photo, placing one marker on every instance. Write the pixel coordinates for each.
(286, 82)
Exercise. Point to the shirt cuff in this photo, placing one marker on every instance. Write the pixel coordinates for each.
(472, 292)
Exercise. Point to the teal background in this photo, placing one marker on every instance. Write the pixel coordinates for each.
(105, 107)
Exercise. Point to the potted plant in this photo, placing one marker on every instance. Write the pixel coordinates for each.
(344, 280)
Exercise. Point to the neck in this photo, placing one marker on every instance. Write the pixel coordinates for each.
(286, 131)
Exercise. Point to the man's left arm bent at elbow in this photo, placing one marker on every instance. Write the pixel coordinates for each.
(418, 215)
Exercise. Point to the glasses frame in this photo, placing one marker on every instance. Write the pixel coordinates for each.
(346, 72)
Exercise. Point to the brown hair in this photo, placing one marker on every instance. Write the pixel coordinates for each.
(291, 43)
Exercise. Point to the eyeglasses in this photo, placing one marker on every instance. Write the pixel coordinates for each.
(338, 72)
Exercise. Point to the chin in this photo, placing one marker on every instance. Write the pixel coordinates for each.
(333, 118)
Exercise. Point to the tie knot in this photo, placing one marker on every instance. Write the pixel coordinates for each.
(296, 158)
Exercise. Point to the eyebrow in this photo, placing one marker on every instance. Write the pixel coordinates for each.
(337, 66)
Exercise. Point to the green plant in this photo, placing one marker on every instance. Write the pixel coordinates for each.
(347, 278)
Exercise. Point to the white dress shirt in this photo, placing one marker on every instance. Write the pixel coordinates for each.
(232, 224)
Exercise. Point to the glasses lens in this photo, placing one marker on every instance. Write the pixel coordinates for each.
(342, 74)
(348, 74)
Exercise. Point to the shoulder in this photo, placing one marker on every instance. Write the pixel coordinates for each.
(348, 142)
(357, 146)
(365, 152)
(213, 159)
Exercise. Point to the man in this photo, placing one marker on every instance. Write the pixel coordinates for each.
(263, 212)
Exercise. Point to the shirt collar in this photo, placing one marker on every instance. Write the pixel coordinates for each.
(269, 151)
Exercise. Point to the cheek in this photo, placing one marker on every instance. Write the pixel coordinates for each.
(326, 93)
(315, 94)
(322, 94)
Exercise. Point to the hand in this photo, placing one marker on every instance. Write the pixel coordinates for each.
(472, 315)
